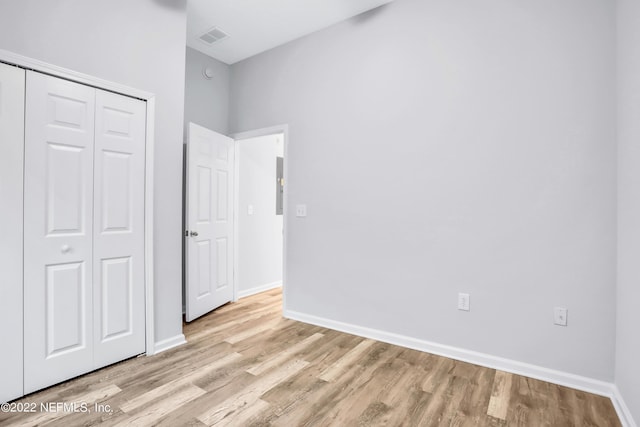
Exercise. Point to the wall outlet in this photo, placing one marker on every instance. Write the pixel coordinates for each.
(249, 209)
(301, 211)
(463, 302)
(560, 316)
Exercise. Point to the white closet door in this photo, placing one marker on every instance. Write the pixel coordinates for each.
(58, 217)
(118, 258)
(11, 158)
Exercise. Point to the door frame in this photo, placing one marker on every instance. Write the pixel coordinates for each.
(15, 59)
(238, 137)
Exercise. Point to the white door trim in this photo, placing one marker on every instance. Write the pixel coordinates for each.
(64, 73)
(272, 130)
(12, 102)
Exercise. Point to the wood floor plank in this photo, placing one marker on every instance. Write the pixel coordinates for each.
(246, 416)
(442, 401)
(476, 397)
(149, 415)
(500, 395)
(341, 365)
(450, 413)
(334, 346)
(247, 333)
(246, 398)
(314, 409)
(218, 392)
(244, 365)
(306, 386)
(89, 399)
(394, 388)
(439, 373)
(386, 376)
(283, 355)
(172, 386)
(259, 313)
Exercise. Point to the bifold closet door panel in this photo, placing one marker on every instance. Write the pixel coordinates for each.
(11, 214)
(118, 278)
(58, 234)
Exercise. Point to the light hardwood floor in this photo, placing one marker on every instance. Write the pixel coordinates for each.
(244, 365)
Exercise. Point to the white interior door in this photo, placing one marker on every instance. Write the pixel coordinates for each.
(209, 276)
(118, 246)
(58, 218)
(11, 217)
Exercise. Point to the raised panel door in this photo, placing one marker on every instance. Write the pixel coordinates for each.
(58, 233)
(209, 219)
(118, 255)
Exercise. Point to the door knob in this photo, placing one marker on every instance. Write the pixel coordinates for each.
(65, 249)
(194, 234)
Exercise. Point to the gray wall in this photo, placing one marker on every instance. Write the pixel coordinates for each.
(139, 44)
(206, 102)
(628, 344)
(445, 146)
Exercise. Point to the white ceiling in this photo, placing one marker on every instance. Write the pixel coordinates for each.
(258, 25)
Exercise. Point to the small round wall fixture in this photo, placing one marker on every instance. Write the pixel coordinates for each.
(207, 72)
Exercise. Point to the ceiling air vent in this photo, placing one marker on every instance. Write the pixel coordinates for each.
(212, 36)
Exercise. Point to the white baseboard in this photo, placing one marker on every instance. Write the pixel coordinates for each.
(578, 382)
(169, 343)
(622, 409)
(258, 289)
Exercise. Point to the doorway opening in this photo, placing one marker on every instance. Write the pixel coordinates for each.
(235, 215)
(260, 211)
